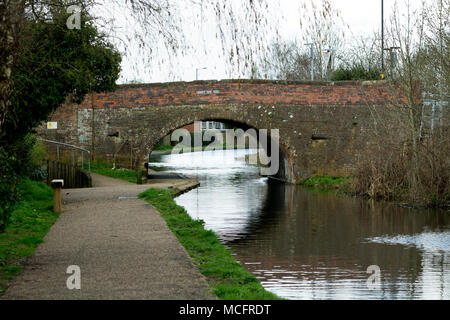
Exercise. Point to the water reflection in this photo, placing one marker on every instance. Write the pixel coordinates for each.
(308, 245)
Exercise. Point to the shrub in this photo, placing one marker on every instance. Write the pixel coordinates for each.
(389, 176)
(8, 187)
(356, 72)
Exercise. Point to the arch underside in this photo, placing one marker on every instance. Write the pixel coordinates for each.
(284, 172)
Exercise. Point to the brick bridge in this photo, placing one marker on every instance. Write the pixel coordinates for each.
(324, 126)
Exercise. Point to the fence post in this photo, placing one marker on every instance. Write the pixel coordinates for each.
(57, 195)
(139, 177)
(146, 172)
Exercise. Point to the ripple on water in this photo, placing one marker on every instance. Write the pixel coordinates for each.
(425, 241)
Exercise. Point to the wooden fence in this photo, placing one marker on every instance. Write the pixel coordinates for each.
(73, 177)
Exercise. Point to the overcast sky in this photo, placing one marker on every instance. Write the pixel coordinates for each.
(362, 16)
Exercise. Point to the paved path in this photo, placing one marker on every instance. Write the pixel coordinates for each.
(121, 244)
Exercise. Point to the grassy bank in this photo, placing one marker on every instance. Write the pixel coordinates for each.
(105, 169)
(228, 279)
(29, 223)
(358, 186)
(326, 183)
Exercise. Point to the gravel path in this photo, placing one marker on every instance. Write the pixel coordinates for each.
(122, 246)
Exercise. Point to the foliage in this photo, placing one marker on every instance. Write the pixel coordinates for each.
(355, 72)
(29, 223)
(54, 63)
(8, 182)
(228, 279)
(325, 182)
(390, 177)
(38, 153)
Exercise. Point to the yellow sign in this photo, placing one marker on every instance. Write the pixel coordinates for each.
(52, 125)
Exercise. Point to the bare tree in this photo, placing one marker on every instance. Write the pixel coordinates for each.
(320, 24)
(415, 163)
(323, 25)
(286, 61)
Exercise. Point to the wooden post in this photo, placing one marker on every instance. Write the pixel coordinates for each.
(139, 177)
(57, 195)
(146, 172)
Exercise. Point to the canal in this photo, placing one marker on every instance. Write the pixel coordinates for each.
(304, 244)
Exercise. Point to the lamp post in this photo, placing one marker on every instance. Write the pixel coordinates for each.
(311, 46)
(382, 39)
(196, 72)
(393, 58)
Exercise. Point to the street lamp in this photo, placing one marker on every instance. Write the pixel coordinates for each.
(393, 58)
(196, 72)
(311, 45)
(382, 39)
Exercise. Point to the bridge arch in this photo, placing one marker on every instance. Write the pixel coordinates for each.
(285, 170)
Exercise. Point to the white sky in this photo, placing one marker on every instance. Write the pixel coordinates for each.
(362, 16)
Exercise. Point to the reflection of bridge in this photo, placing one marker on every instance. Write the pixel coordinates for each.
(323, 126)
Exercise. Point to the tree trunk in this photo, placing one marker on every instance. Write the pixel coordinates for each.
(11, 12)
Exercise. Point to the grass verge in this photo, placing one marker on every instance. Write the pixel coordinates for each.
(326, 183)
(228, 279)
(29, 223)
(105, 169)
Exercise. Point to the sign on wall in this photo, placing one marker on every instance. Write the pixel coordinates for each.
(52, 125)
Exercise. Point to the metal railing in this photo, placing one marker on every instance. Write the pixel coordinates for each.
(83, 151)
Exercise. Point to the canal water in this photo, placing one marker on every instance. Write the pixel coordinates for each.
(304, 244)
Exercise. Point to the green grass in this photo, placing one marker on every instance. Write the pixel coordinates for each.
(202, 148)
(29, 223)
(228, 279)
(325, 182)
(105, 169)
(164, 148)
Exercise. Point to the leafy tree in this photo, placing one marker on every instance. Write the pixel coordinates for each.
(52, 63)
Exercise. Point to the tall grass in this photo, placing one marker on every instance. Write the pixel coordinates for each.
(390, 176)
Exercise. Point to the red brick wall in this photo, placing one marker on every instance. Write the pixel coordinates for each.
(244, 92)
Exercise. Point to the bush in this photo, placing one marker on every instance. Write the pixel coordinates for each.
(38, 174)
(21, 159)
(356, 72)
(38, 153)
(8, 187)
(390, 176)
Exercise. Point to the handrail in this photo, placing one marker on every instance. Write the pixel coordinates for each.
(73, 155)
